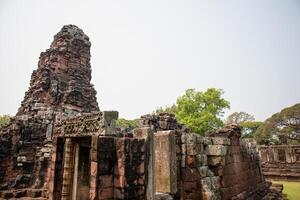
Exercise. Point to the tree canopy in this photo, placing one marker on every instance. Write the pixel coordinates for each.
(246, 121)
(281, 128)
(127, 124)
(201, 111)
(239, 117)
(249, 128)
(167, 109)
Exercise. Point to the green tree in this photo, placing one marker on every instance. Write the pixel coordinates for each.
(246, 121)
(281, 128)
(239, 117)
(127, 124)
(201, 111)
(167, 109)
(249, 128)
(4, 119)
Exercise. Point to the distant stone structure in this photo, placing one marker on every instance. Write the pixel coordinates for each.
(280, 161)
(60, 146)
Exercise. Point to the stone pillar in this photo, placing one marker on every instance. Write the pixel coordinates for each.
(52, 170)
(75, 176)
(275, 154)
(165, 162)
(94, 167)
(288, 154)
(67, 170)
(147, 134)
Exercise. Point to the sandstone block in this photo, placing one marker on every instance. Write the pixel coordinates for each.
(220, 141)
(106, 193)
(194, 149)
(190, 174)
(216, 160)
(119, 181)
(203, 171)
(201, 160)
(106, 181)
(207, 141)
(165, 162)
(191, 138)
(206, 184)
(190, 186)
(191, 161)
(215, 183)
(216, 150)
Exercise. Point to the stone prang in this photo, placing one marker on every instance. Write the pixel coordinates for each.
(62, 80)
(59, 88)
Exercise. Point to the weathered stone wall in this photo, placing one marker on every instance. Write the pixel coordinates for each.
(236, 162)
(221, 166)
(121, 168)
(280, 161)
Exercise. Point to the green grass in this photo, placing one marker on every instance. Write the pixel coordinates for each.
(291, 189)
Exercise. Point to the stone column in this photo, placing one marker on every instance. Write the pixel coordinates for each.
(275, 154)
(288, 154)
(67, 170)
(94, 167)
(52, 169)
(75, 176)
(165, 162)
(147, 134)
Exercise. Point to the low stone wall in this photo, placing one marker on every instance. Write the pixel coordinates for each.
(280, 161)
(221, 166)
(236, 162)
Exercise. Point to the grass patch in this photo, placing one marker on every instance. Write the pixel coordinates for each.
(291, 189)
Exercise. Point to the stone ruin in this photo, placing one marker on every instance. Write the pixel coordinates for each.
(280, 161)
(60, 146)
(221, 166)
(59, 88)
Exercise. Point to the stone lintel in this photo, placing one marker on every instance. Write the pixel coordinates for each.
(97, 123)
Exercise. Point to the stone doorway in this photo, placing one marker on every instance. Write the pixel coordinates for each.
(81, 178)
(72, 180)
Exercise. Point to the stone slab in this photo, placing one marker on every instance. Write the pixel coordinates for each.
(165, 162)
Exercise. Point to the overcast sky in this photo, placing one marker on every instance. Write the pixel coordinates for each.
(147, 53)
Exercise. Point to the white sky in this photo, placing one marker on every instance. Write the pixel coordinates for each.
(147, 53)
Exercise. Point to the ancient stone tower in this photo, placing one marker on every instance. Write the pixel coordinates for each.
(62, 81)
(60, 87)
